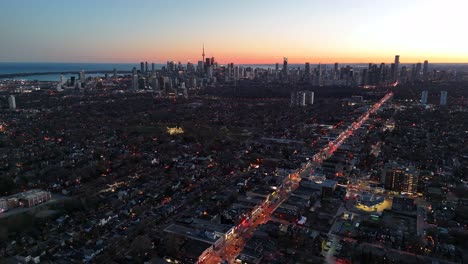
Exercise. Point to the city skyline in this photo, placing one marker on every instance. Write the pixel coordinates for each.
(245, 33)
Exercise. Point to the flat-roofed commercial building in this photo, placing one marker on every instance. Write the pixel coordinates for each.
(33, 197)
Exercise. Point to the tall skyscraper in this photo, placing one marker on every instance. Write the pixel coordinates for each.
(307, 70)
(115, 74)
(82, 76)
(231, 69)
(424, 97)
(336, 71)
(154, 83)
(392, 71)
(11, 102)
(210, 71)
(200, 67)
(319, 74)
(153, 68)
(310, 97)
(403, 73)
(141, 83)
(418, 70)
(381, 72)
(142, 67)
(134, 82)
(171, 66)
(425, 69)
(301, 98)
(146, 67)
(285, 66)
(63, 79)
(237, 73)
(443, 98)
(365, 77)
(413, 72)
(397, 68)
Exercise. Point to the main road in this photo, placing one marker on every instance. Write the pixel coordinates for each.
(262, 213)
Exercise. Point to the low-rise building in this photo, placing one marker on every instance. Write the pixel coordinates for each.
(33, 197)
(25, 199)
(403, 204)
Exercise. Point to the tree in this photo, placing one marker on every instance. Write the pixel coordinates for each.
(141, 244)
(6, 185)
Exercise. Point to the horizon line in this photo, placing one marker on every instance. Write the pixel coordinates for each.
(271, 63)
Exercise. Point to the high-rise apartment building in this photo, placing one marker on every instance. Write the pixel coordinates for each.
(443, 98)
(398, 178)
(11, 102)
(424, 97)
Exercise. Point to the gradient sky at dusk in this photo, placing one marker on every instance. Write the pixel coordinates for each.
(241, 31)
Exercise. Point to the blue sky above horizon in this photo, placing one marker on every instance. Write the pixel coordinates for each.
(240, 31)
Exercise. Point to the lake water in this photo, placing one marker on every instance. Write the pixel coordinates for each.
(8, 68)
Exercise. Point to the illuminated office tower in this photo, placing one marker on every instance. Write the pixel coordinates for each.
(424, 97)
(443, 98)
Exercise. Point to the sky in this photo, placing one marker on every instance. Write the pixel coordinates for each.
(239, 31)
